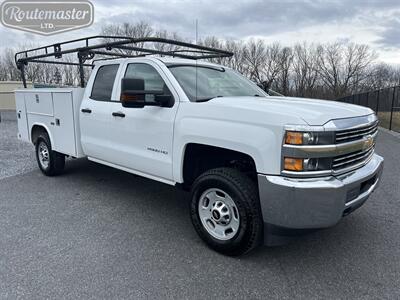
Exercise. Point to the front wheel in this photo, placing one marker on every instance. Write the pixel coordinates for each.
(50, 162)
(225, 211)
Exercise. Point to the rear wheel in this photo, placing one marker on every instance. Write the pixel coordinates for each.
(225, 211)
(50, 162)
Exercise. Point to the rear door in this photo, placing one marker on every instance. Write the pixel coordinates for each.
(95, 116)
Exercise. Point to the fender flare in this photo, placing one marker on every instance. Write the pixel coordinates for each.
(45, 128)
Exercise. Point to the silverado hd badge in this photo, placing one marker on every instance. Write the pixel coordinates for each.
(46, 17)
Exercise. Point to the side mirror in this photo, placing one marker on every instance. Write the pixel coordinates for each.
(133, 94)
(164, 100)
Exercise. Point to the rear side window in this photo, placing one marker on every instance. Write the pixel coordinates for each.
(104, 82)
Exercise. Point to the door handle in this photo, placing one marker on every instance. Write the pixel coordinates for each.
(118, 114)
(86, 110)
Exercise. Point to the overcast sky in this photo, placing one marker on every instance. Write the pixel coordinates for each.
(376, 23)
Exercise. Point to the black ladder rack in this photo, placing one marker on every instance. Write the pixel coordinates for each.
(112, 47)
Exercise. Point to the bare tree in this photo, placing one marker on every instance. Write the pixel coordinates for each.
(273, 64)
(238, 60)
(380, 75)
(9, 65)
(135, 30)
(255, 54)
(343, 66)
(283, 77)
(307, 70)
(164, 34)
(266, 62)
(213, 42)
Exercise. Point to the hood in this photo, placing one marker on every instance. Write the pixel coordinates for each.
(312, 111)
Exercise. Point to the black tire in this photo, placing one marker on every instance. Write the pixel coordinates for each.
(56, 161)
(244, 193)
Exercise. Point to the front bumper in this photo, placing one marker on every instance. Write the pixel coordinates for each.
(314, 203)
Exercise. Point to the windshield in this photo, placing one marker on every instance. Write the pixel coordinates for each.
(211, 82)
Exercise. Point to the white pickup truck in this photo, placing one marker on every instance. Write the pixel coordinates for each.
(259, 168)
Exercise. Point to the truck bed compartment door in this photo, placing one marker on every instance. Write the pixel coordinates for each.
(23, 133)
(39, 103)
(63, 124)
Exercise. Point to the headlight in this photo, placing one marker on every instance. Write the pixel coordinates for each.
(298, 137)
(309, 137)
(301, 138)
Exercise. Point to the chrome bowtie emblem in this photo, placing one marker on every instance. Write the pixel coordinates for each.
(369, 141)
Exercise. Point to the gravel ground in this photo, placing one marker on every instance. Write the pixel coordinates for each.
(16, 157)
(99, 233)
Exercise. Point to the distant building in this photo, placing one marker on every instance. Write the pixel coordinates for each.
(7, 99)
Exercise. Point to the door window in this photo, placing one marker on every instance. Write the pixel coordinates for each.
(152, 79)
(104, 82)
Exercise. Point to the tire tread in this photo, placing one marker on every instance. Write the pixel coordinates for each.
(57, 160)
(249, 192)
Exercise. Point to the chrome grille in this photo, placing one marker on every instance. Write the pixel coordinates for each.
(349, 135)
(347, 144)
(351, 160)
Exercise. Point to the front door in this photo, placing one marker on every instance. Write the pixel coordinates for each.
(142, 138)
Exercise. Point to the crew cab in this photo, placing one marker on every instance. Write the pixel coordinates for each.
(258, 167)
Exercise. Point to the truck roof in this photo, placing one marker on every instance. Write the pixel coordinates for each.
(174, 60)
(166, 60)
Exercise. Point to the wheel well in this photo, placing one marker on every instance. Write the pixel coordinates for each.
(199, 158)
(36, 131)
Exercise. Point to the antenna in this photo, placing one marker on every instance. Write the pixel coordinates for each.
(197, 36)
(197, 30)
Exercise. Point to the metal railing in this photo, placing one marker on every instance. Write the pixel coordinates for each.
(385, 102)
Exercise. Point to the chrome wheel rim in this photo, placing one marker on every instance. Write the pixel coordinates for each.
(43, 155)
(218, 214)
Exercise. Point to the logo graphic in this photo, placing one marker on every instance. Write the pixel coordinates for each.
(47, 17)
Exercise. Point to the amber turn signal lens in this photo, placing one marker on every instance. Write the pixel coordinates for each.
(293, 164)
(126, 97)
(294, 138)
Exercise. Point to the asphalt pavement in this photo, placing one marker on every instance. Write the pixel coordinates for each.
(99, 233)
